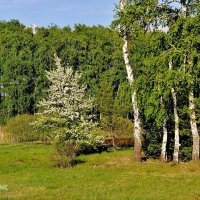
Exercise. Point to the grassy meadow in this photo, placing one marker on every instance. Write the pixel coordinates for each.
(26, 170)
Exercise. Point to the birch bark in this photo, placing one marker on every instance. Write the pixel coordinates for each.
(192, 113)
(176, 122)
(163, 155)
(137, 122)
(194, 130)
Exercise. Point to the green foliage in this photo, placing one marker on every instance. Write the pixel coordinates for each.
(150, 51)
(66, 104)
(152, 141)
(24, 60)
(65, 155)
(96, 52)
(67, 110)
(186, 154)
(117, 126)
(19, 129)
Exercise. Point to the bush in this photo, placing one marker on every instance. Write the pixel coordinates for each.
(117, 126)
(152, 140)
(19, 129)
(153, 150)
(119, 142)
(69, 145)
(65, 155)
(185, 154)
(48, 127)
(62, 161)
(86, 148)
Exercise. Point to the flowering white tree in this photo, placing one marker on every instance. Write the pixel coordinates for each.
(67, 111)
(66, 106)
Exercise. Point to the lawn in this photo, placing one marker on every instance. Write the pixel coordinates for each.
(27, 172)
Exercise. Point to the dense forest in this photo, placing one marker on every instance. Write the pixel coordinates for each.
(143, 73)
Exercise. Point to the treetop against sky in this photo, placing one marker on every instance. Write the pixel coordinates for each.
(60, 12)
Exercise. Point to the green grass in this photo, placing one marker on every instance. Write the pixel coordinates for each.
(27, 172)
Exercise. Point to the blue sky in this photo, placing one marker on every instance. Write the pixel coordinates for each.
(60, 12)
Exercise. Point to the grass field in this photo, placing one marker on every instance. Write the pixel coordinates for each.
(27, 172)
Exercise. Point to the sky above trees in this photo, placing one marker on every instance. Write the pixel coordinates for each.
(60, 12)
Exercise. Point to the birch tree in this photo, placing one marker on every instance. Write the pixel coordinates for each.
(138, 17)
(130, 77)
(188, 9)
(163, 155)
(176, 122)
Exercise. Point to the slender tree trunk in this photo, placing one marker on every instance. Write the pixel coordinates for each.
(163, 155)
(192, 113)
(122, 4)
(137, 122)
(194, 130)
(176, 121)
(137, 129)
(184, 10)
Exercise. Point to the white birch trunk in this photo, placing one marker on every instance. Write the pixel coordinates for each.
(183, 9)
(137, 122)
(194, 130)
(176, 131)
(163, 155)
(176, 121)
(192, 113)
(122, 4)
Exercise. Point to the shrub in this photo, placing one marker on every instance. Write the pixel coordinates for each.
(65, 155)
(86, 148)
(153, 150)
(185, 154)
(74, 142)
(19, 129)
(117, 126)
(119, 142)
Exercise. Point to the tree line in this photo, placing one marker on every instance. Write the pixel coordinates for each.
(26, 57)
(144, 68)
(161, 55)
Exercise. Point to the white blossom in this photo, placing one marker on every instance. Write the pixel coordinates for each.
(66, 105)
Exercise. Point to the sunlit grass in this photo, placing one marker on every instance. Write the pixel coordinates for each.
(27, 172)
